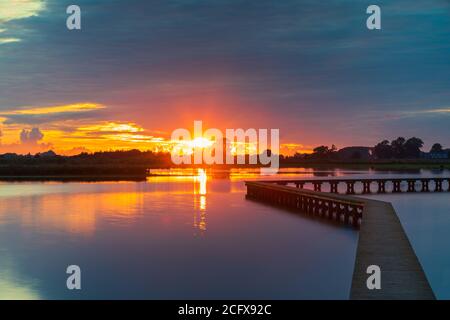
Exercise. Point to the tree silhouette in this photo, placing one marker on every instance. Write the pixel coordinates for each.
(321, 151)
(398, 148)
(412, 147)
(437, 147)
(324, 152)
(383, 150)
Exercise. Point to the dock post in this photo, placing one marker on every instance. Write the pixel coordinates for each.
(396, 186)
(334, 186)
(411, 185)
(350, 187)
(382, 186)
(366, 187)
(438, 185)
(317, 186)
(425, 187)
(300, 184)
(317, 206)
(329, 209)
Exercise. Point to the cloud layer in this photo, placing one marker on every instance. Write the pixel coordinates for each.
(309, 68)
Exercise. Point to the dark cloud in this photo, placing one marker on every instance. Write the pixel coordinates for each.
(309, 66)
(32, 136)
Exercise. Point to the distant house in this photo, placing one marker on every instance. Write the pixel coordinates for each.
(436, 155)
(355, 153)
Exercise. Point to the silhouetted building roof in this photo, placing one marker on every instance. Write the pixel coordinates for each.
(444, 154)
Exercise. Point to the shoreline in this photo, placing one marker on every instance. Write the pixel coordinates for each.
(141, 172)
(73, 178)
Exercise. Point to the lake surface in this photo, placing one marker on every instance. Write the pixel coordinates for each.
(189, 237)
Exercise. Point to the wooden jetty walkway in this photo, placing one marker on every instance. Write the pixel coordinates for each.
(331, 206)
(398, 185)
(382, 240)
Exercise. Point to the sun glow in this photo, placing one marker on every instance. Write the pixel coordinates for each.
(187, 147)
(200, 142)
(70, 129)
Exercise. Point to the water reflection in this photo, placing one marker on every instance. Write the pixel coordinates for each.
(12, 285)
(201, 180)
(77, 214)
(149, 239)
(200, 200)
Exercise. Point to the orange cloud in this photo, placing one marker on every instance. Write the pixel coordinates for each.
(60, 128)
(30, 141)
(77, 107)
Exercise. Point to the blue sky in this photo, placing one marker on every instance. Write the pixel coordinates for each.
(310, 68)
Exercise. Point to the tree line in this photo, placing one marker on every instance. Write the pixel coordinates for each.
(399, 148)
(402, 148)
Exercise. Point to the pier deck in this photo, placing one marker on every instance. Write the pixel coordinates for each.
(382, 240)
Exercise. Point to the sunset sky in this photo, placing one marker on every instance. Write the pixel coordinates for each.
(140, 69)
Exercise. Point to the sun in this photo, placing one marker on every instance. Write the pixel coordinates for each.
(201, 143)
(188, 147)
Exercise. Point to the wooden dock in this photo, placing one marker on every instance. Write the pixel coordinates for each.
(346, 209)
(382, 185)
(382, 240)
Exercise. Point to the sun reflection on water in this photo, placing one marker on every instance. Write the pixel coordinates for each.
(200, 199)
(201, 180)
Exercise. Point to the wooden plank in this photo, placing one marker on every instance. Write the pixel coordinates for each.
(383, 242)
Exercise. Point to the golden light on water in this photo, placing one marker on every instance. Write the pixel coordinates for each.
(203, 203)
(201, 179)
(200, 190)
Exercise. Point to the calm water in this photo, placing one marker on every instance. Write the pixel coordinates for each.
(190, 237)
